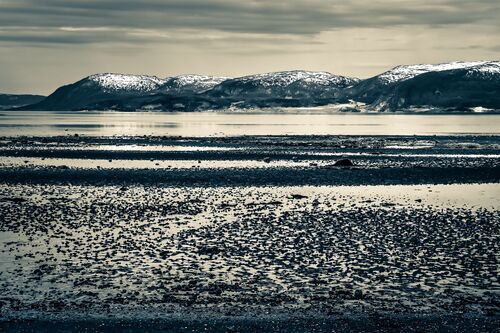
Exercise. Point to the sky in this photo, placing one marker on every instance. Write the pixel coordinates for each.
(47, 43)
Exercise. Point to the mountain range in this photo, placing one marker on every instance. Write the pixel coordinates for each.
(8, 101)
(455, 86)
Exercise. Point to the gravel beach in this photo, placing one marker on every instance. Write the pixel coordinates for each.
(249, 234)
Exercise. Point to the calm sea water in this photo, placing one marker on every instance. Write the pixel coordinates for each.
(48, 123)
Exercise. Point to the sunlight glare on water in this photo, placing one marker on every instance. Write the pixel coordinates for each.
(50, 123)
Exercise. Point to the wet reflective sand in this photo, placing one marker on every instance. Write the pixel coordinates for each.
(254, 251)
(249, 233)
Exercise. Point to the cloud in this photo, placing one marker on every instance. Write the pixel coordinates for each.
(46, 43)
(104, 21)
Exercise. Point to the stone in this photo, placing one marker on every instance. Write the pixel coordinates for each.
(343, 162)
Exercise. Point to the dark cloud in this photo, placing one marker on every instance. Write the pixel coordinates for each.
(292, 17)
(63, 36)
(46, 43)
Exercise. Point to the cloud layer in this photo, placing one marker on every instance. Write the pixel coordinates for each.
(95, 21)
(45, 43)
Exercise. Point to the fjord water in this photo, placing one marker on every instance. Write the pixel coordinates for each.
(279, 122)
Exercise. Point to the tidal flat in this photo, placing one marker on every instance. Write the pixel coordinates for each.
(250, 233)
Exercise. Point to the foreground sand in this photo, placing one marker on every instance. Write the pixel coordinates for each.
(250, 234)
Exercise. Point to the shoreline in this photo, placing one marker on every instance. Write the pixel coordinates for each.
(245, 234)
(251, 160)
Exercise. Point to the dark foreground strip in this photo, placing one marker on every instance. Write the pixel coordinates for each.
(252, 177)
(357, 325)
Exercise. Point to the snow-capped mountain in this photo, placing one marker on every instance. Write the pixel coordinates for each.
(287, 78)
(128, 83)
(190, 83)
(111, 88)
(296, 87)
(270, 82)
(405, 72)
(99, 87)
(460, 87)
(288, 88)
(490, 69)
(188, 92)
(372, 89)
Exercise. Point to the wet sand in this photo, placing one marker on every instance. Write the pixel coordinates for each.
(248, 161)
(250, 234)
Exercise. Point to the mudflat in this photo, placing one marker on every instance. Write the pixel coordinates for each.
(250, 233)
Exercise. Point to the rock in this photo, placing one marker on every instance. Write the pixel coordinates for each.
(298, 196)
(343, 162)
(209, 250)
(164, 254)
(13, 199)
(267, 159)
(358, 294)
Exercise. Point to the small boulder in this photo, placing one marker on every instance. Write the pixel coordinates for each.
(358, 294)
(343, 162)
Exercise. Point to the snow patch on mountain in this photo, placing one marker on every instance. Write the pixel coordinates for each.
(488, 69)
(195, 81)
(287, 78)
(188, 79)
(111, 82)
(405, 72)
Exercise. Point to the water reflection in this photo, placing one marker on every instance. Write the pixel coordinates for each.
(48, 123)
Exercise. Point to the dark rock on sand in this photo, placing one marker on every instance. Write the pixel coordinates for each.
(13, 199)
(298, 196)
(343, 162)
(358, 294)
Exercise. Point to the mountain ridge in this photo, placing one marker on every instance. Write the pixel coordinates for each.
(9, 101)
(460, 88)
(400, 87)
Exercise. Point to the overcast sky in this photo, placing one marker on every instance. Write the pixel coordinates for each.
(47, 43)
